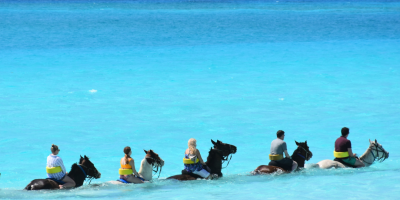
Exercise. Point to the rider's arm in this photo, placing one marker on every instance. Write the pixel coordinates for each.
(132, 163)
(61, 163)
(351, 152)
(286, 154)
(199, 156)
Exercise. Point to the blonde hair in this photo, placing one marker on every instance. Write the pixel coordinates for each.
(192, 145)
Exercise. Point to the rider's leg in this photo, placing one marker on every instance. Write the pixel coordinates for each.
(294, 165)
(133, 179)
(359, 163)
(203, 173)
(68, 182)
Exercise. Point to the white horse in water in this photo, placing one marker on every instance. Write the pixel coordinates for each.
(150, 161)
(375, 152)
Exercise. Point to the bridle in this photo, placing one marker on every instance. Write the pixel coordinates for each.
(88, 171)
(225, 158)
(378, 149)
(156, 166)
(307, 152)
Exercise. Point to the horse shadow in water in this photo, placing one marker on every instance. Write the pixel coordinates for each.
(300, 155)
(216, 157)
(375, 152)
(150, 163)
(79, 172)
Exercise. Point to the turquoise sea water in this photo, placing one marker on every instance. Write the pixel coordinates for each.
(96, 76)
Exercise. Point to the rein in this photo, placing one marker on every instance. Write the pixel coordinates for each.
(378, 150)
(84, 173)
(225, 158)
(307, 152)
(156, 166)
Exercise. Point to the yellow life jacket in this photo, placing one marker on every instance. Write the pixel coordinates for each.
(188, 161)
(275, 157)
(53, 170)
(125, 171)
(341, 154)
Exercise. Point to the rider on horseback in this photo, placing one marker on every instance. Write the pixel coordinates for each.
(128, 171)
(193, 162)
(56, 170)
(343, 152)
(278, 147)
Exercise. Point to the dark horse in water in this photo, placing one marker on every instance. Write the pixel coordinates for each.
(216, 156)
(300, 155)
(79, 172)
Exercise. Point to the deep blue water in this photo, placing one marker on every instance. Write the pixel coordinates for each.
(96, 76)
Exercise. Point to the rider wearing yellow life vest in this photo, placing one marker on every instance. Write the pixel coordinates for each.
(127, 170)
(343, 152)
(278, 147)
(56, 170)
(193, 162)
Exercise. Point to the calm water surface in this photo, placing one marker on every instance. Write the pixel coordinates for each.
(96, 76)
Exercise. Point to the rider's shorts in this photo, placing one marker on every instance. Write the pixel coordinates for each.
(350, 160)
(203, 173)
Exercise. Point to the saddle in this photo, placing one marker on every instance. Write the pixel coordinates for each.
(59, 182)
(345, 164)
(285, 163)
(184, 172)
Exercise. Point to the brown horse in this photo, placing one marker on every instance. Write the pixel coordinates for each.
(216, 156)
(300, 155)
(79, 172)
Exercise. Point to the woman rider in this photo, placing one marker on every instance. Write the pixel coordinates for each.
(56, 170)
(128, 171)
(193, 161)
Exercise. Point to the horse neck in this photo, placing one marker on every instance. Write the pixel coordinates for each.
(77, 175)
(300, 161)
(214, 162)
(146, 169)
(367, 157)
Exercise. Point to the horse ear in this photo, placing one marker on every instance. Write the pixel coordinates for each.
(81, 156)
(219, 142)
(376, 142)
(370, 141)
(213, 141)
(306, 142)
(145, 151)
(86, 158)
(296, 143)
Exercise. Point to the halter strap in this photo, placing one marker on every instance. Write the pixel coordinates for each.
(82, 170)
(301, 156)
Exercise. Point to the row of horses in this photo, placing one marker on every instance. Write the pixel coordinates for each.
(217, 155)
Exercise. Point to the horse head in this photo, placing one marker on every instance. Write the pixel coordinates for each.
(379, 153)
(303, 150)
(91, 170)
(225, 148)
(153, 158)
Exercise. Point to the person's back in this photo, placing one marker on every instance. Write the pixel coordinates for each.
(343, 152)
(56, 170)
(193, 162)
(278, 148)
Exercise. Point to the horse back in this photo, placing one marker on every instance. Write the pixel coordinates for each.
(40, 184)
(182, 177)
(268, 169)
